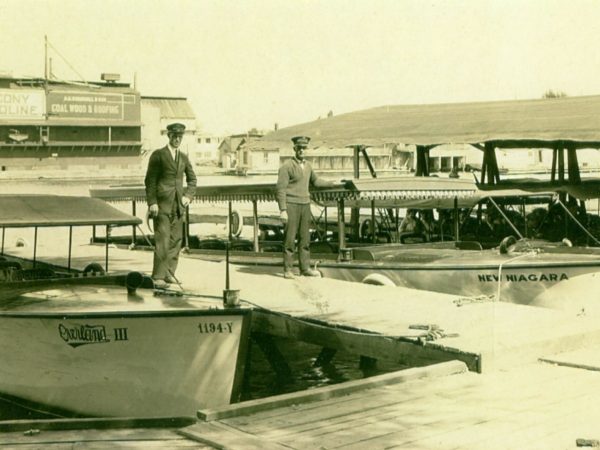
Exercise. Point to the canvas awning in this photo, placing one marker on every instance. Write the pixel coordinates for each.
(57, 210)
(239, 192)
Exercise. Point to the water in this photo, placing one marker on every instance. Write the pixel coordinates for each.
(261, 380)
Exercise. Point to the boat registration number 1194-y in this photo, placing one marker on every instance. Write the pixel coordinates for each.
(215, 327)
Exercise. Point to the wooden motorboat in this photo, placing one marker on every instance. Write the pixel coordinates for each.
(104, 344)
(511, 266)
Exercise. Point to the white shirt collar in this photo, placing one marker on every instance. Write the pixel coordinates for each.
(172, 150)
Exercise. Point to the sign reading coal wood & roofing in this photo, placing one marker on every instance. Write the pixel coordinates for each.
(22, 104)
(93, 105)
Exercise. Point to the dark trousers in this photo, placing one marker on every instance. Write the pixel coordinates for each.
(299, 219)
(168, 234)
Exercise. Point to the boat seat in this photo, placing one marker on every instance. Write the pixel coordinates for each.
(10, 264)
(37, 274)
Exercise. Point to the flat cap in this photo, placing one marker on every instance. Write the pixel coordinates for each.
(176, 127)
(301, 140)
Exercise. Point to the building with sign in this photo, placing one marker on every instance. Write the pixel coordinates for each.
(157, 113)
(47, 124)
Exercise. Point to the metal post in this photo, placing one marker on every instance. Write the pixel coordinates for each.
(355, 212)
(229, 232)
(133, 227)
(186, 228)
(397, 224)
(561, 164)
(227, 266)
(374, 237)
(456, 220)
(523, 213)
(255, 217)
(70, 246)
(106, 250)
(341, 224)
(554, 158)
(34, 245)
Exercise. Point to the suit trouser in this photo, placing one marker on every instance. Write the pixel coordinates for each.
(299, 220)
(168, 235)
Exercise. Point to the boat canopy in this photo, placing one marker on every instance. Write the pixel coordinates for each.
(402, 192)
(237, 192)
(585, 190)
(59, 210)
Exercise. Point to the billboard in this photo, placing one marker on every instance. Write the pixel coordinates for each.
(22, 104)
(117, 106)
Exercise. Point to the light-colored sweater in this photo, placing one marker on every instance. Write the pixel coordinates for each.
(293, 182)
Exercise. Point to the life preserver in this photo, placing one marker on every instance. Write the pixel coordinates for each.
(566, 242)
(237, 223)
(94, 267)
(378, 280)
(364, 229)
(21, 242)
(506, 243)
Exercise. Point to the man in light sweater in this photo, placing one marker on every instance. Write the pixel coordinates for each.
(295, 177)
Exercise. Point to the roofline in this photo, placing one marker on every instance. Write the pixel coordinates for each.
(152, 97)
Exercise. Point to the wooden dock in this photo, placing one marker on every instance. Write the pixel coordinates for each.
(515, 401)
(533, 406)
(443, 406)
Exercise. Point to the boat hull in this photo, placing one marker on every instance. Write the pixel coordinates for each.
(513, 277)
(143, 364)
(517, 284)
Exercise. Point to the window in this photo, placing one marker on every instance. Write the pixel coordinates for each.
(208, 140)
(266, 157)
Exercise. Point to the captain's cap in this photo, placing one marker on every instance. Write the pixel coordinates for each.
(301, 141)
(176, 128)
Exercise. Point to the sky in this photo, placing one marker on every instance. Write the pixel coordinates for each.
(253, 63)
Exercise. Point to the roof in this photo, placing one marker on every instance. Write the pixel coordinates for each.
(171, 107)
(59, 210)
(515, 122)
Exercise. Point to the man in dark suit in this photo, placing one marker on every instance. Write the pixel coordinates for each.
(167, 201)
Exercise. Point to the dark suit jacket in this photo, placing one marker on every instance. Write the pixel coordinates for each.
(164, 180)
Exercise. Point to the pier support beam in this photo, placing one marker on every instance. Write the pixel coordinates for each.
(367, 364)
(274, 356)
(325, 357)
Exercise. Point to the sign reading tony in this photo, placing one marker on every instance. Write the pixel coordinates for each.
(93, 105)
(22, 104)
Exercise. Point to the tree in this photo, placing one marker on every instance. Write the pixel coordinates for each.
(554, 94)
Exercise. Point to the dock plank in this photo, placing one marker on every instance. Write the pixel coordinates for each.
(325, 392)
(222, 436)
(531, 406)
(93, 438)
